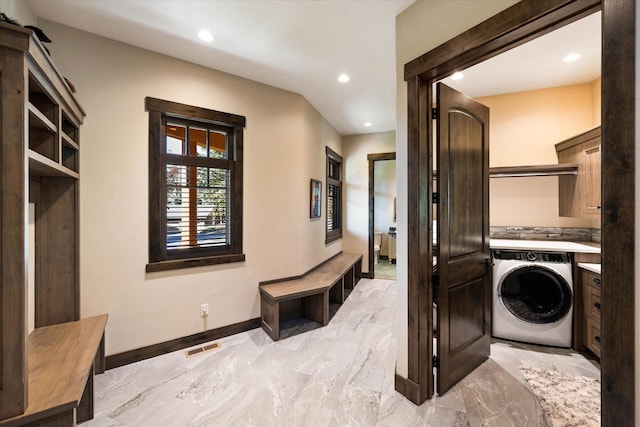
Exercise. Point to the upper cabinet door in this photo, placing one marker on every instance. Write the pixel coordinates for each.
(591, 178)
(580, 196)
(464, 293)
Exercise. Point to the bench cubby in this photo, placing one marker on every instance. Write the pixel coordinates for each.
(308, 296)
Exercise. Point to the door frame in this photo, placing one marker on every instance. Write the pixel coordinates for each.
(373, 158)
(512, 27)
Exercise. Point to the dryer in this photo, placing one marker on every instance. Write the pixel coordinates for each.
(533, 297)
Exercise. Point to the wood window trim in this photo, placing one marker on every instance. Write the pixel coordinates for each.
(515, 25)
(333, 157)
(158, 110)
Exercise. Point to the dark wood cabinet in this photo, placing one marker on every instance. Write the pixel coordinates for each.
(591, 294)
(580, 195)
(39, 146)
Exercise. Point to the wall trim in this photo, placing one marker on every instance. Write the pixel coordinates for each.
(159, 349)
(407, 388)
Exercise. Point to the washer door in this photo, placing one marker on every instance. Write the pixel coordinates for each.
(536, 294)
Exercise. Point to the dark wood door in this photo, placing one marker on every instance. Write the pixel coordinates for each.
(464, 290)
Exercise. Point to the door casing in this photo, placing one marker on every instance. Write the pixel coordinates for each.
(373, 158)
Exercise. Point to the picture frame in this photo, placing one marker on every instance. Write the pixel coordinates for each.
(315, 199)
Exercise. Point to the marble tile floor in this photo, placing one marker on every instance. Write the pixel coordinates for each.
(338, 375)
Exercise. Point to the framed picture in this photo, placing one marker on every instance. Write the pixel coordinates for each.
(316, 199)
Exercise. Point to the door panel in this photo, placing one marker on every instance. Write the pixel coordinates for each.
(464, 293)
(467, 323)
(464, 173)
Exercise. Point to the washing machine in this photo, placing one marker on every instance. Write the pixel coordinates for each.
(533, 297)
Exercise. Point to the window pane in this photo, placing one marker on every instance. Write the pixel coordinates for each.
(197, 207)
(198, 140)
(217, 145)
(334, 170)
(212, 216)
(175, 142)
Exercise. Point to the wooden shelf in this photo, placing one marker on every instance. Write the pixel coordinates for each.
(42, 119)
(537, 170)
(40, 165)
(69, 141)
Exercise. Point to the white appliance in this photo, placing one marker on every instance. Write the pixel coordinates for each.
(533, 297)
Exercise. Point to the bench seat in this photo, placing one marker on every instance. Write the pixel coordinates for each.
(61, 363)
(308, 296)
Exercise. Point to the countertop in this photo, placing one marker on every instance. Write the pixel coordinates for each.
(594, 268)
(545, 245)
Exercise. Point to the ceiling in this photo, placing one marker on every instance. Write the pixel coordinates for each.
(539, 63)
(304, 45)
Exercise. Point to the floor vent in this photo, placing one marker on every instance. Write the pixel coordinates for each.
(201, 350)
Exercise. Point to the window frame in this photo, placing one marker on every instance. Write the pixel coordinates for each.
(161, 111)
(336, 160)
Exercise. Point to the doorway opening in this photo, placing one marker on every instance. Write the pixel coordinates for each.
(527, 20)
(382, 216)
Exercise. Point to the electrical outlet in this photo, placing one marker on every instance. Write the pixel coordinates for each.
(204, 310)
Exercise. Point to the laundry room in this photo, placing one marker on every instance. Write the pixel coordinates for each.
(544, 188)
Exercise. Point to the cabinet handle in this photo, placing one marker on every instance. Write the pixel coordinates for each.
(597, 280)
(597, 338)
(594, 207)
(597, 305)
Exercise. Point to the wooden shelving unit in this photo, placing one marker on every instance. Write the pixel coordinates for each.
(40, 123)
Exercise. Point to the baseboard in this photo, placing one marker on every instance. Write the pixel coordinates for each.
(408, 389)
(159, 349)
(366, 275)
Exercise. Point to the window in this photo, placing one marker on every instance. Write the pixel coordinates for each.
(334, 196)
(195, 186)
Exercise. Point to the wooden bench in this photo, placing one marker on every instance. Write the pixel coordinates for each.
(61, 363)
(309, 295)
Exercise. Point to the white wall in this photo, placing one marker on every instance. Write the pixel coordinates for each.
(284, 147)
(314, 165)
(421, 27)
(18, 10)
(356, 186)
(525, 126)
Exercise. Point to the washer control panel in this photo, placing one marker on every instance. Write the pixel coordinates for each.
(531, 256)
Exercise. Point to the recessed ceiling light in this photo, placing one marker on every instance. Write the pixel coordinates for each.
(367, 124)
(457, 75)
(205, 36)
(343, 78)
(573, 56)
